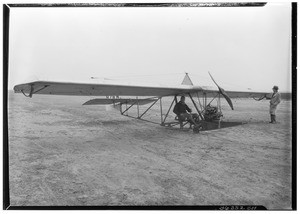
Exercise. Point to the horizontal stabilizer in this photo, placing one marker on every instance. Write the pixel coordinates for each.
(105, 101)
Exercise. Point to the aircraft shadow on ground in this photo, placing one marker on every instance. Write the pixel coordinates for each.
(206, 125)
(212, 125)
(98, 123)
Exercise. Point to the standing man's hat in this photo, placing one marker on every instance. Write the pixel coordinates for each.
(275, 87)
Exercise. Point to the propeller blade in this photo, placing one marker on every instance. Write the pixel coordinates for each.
(214, 80)
(222, 91)
(227, 98)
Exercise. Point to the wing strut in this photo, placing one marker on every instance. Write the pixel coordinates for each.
(148, 108)
(122, 112)
(199, 112)
(174, 100)
(139, 116)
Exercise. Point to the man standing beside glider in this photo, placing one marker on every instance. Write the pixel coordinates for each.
(274, 101)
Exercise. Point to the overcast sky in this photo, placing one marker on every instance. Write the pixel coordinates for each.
(242, 47)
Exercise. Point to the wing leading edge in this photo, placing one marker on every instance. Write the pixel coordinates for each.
(90, 89)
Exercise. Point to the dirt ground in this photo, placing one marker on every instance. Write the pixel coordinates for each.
(62, 153)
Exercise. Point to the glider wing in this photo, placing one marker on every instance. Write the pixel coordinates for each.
(101, 89)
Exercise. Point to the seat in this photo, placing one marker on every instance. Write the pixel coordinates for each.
(183, 121)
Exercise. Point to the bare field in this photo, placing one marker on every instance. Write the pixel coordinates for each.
(63, 154)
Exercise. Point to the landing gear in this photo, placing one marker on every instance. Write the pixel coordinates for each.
(197, 128)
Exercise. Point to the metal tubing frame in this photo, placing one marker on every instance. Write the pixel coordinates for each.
(161, 116)
(136, 102)
(219, 102)
(175, 99)
(196, 106)
(138, 107)
(219, 108)
(199, 102)
(214, 98)
(139, 117)
(148, 109)
(177, 123)
(122, 113)
(126, 107)
(142, 119)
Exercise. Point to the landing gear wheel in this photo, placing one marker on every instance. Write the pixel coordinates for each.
(197, 128)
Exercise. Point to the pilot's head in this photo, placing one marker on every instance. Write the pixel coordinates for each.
(182, 98)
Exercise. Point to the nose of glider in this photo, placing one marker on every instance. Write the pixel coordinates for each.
(222, 91)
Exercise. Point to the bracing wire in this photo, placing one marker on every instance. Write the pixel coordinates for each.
(199, 101)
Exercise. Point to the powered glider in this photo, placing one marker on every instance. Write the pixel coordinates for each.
(143, 95)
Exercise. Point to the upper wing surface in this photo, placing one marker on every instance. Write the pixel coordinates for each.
(100, 89)
(234, 94)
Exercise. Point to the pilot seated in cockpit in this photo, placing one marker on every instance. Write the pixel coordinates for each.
(183, 112)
